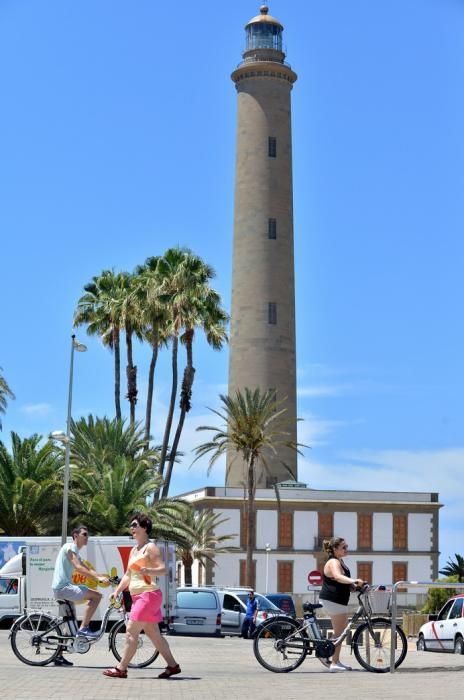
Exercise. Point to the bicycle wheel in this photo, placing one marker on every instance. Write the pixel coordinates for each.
(279, 645)
(34, 639)
(145, 653)
(373, 651)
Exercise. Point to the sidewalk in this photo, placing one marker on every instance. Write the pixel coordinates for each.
(226, 669)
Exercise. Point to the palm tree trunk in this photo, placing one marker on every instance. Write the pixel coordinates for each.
(131, 374)
(185, 406)
(117, 371)
(187, 562)
(151, 383)
(251, 522)
(167, 429)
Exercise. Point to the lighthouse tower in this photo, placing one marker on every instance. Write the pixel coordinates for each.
(262, 333)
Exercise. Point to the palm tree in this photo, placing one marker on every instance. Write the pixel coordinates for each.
(101, 440)
(5, 393)
(31, 487)
(203, 544)
(113, 475)
(153, 321)
(131, 314)
(101, 309)
(454, 568)
(191, 304)
(254, 428)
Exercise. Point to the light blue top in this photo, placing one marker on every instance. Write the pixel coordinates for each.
(63, 567)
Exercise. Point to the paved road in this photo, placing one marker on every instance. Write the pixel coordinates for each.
(226, 669)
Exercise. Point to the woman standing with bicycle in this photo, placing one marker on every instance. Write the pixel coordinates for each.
(145, 564)
(335, 593)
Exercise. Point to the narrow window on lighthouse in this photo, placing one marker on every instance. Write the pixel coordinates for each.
(272, 229)
(272, 313)
(272, 147)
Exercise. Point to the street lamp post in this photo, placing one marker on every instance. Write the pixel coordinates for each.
(268, 549)
(65, 438)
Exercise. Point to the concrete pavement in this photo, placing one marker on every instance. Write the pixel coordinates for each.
(226, 669)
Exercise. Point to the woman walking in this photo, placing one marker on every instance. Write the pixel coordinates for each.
(145, 564)
(335, 592)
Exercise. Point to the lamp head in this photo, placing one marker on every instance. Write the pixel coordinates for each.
(58, 435)
(79, 346)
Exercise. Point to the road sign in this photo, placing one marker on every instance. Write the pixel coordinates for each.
(315, 578)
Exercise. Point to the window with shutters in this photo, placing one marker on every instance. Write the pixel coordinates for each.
(285, 530)
(400, 573)
(364, 571)
(400, 532)
(244, 530)
(325, 526)
(364, 531)
(242, 577)
(285, 577)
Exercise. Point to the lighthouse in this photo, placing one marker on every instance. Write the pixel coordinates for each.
(262, 332)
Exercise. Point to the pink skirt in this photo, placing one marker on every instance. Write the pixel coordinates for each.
(146, 607)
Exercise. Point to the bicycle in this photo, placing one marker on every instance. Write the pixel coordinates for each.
(282, 644)
(37, 637)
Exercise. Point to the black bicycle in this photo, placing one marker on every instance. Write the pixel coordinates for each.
(282, 644)
(37, 637)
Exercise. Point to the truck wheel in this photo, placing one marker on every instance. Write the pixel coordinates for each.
(145, 653)
(34, 639)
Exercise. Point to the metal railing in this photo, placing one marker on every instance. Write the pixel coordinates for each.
(394, 606)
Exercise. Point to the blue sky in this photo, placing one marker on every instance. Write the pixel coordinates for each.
(117, 136)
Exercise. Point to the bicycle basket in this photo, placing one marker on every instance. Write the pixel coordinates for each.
(378, 602)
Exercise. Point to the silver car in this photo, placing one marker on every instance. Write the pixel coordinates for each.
(234, 608)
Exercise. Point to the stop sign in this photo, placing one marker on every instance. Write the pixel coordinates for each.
(315, 578)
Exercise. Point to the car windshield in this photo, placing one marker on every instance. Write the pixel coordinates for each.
(263, 603)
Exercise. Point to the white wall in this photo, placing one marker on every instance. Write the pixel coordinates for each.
(346, 525)
(230, 526)
(304, 529)
(382, 535)
(419, 532)
(266, 528)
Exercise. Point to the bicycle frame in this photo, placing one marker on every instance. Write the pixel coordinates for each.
(68, 640)
(314, 640)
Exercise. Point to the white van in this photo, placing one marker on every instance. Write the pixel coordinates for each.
(197, 611)
(26, 577)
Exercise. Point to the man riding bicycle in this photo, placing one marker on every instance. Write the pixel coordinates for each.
(68, 561)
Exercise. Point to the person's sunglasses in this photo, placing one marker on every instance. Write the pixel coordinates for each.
(344, 546)
(134, 524)
(84, 534)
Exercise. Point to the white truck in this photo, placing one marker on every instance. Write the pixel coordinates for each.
(27, 565)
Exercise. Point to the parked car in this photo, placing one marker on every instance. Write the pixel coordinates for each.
(234, 601)
(210, 610)
(283, 601)
(197, 611)
(445, 631)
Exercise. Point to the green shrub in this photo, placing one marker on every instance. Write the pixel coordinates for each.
(437, 597)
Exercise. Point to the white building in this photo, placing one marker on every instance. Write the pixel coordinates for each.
(392, 536)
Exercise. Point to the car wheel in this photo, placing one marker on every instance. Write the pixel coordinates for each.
(459, 645)
(421, 644)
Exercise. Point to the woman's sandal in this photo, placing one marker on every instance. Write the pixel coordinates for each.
(115, 672)
(170, 671)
